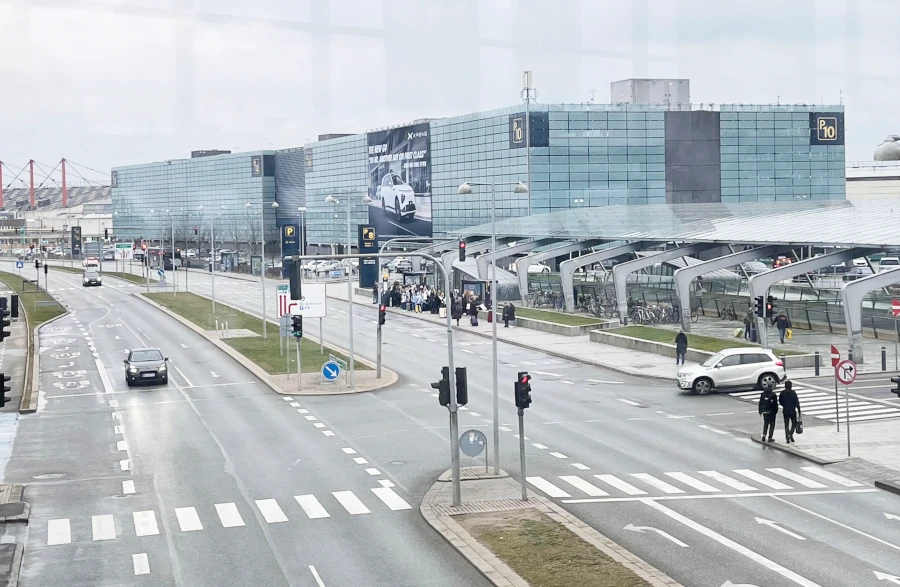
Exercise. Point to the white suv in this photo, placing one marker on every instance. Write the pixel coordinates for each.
(398, 196)
(740, 367)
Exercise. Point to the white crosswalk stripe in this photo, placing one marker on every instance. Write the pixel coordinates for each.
(762, 479)
(819, 404)
(390, 498)
(726, 480)
(695, 483)
(58, 532)
(579, 483)
(832, 477)
(145, 523)
(311, 506)
(624, 486)
(547, 487)
(271, 511)
(351, 503)
(797, 478)
(657, 483)
(103, 527)
(188, 519)
(229, 515)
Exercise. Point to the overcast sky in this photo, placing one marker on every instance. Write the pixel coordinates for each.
(117, 82)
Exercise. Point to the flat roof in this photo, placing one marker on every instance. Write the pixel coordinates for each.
(871, 223)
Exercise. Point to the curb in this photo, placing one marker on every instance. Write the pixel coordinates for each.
(498, 572)
(533, 348)
(33, 361)
(15, 567)
(890, 486)
(255, 369)
(795, 452)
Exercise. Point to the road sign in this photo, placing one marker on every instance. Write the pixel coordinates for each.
(283, 295)
(331, 370)
(312, 304)
(472, 443)
(284, 323)
(835, 356)
(845, 372)
(19, 264)
(895, 307)
(161, 273)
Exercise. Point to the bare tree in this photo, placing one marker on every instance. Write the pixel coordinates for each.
(253, 233)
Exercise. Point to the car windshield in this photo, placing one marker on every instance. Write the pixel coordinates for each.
(150, 355)
(713, 360)
(398, 180)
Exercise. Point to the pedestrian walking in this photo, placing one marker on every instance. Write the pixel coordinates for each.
(375, 293)
(456, 310)
(768, 409)
(790, 408)
(681, 345)
(509, 314)
(783, 324)
(748, 323)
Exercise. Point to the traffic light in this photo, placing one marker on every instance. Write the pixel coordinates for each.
(3, 399)
(523, 390)
(462, 250)
(143, 246)
(178, 254)
(443, 387)
(760, 306)
(382, 314)
(4, 324)
(37, 263)
(462, 386)
(297, 325)
(896, 382)
(106, 234)
(770, 306)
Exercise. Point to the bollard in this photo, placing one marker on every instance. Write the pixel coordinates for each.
(883, 358)
(850, 355)
(818, 359)
(784, 361)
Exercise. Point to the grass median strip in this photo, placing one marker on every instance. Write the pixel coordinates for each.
(556, 317)
(695, 341)
(39, 306)
(545, 553)
(262, 351)
(132, 277)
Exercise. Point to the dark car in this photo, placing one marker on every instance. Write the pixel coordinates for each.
(91, 277)
(146, 366)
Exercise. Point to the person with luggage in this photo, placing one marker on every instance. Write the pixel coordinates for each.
(768, 409)
(473, 310)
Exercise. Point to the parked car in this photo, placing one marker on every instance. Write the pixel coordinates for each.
(754, 267)
(538, 268)
(146, 365)
(397, 195)
(888, 263)
(731, 368)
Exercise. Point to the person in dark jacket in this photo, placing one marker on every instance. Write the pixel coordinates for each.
(768, 409)
(790, 407)
(375, 293)
(782, 323)
(509, 314)
(681, 344)
(456, 310)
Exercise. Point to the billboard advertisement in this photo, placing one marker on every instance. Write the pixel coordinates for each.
(399, 181)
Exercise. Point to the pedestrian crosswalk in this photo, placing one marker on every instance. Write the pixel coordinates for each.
(821, 404)
(222, 515)
(677, 483)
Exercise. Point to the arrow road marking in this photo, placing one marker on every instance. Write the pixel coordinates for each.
(666, 535)
(213, 374)
(891, 516)
(547, 374)
(730, 584)
(886, 577)
(775, 525)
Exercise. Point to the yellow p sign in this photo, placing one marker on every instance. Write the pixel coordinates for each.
(518, 131)
(827, 128)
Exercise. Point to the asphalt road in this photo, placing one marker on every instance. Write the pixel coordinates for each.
(667, 475)
(211, 480)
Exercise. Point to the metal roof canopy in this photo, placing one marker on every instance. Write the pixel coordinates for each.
(866, 223)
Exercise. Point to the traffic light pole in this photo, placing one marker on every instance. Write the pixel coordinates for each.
(522, 452)
(453, 407)
(378, 352)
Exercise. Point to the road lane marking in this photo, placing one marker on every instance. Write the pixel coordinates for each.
(505, 429)
(145, 523)
(558, 455)
(311, 507)
(121, 445)
(539, 446)
(598, 381)
(360, 460)
(271, 511)
(762, 479)
(695, 483)
(628, 401)
(302, 411)
(188, 519)
(128, 486)
(581, 467)
(103, 527)
(311, 418)
(581, 484)
(294, 405)
(141, 563)
(58, 532)
(327, 432)
(318, 425)
(797, 478)
(373, 471)
(385, 483)
(691, 496)
(657, 483)
(229, 515)
(623, 486)
(288, 398)
(728, 543)
(832, 477)
(726, 480)
(125, 464)
(348, 450)
(316, 576)
(391, 499)
(547, 487)
(350, 502)
(827, 519)
(117, 430)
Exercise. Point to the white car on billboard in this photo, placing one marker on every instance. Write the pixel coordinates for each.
(398, 196)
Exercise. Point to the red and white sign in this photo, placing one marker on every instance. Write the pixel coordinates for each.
(845, 372)
(283, 294)
(835, 356)
(895, 307)
(311, 305)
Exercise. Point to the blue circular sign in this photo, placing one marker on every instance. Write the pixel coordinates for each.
(160, 272)
(331, 370)
(472, 443)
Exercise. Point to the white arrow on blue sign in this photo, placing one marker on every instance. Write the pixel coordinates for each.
(331, 370)
(160, 272)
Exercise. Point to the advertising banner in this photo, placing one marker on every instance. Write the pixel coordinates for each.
(399, 181)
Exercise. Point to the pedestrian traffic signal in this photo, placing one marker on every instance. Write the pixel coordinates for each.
(4, 324)
(523, 390)
(297, 326)
(462, 250)
(896, 382)
(462, 386)
(443, 387)
(760, 307)
(382, 314)
(106, 233)
(3, 399)
(770, 306)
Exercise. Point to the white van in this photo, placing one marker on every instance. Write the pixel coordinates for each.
(888, 263)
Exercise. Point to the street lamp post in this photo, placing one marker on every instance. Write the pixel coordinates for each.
(302, 211)
(520, 188)
(262, 252)
(365, 200)
(174, 272)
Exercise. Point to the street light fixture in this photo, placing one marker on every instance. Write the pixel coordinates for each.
(330, 199)
(518, 188)
(262, 245)
(302, 211)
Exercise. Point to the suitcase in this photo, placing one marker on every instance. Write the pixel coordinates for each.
(490, 316)
(442, 313)
(474, 321)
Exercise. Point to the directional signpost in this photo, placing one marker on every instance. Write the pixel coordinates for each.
(19, 266)
(330, 371)
(845, 372)
(161, 275)
(835, 359)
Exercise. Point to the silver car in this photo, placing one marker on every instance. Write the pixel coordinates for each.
(739, 367)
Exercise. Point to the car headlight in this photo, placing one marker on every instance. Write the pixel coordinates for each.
(162, 368)
(133, 369)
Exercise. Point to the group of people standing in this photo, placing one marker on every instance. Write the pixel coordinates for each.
(413, 298)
